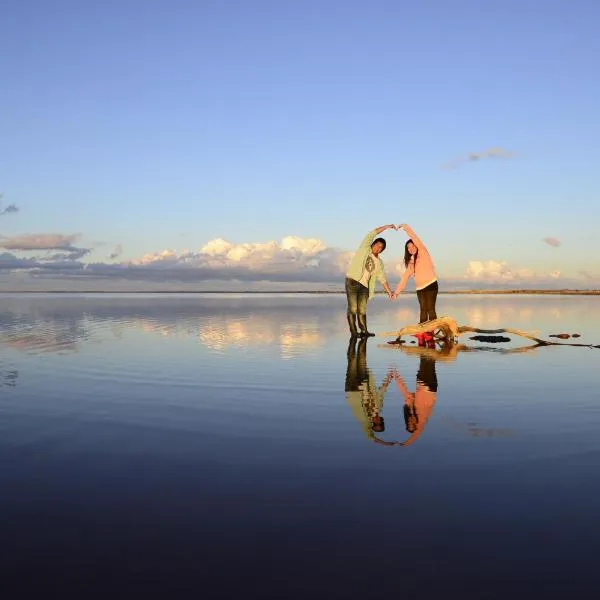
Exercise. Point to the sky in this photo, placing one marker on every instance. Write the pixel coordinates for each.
(211, 144)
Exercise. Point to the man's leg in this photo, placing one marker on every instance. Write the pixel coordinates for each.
(352, 376)
(363, 298)
(352, 297)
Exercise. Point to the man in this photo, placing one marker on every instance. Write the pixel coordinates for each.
(365, 268)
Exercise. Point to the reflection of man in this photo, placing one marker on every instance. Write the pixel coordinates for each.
(363, 395)
(418, 405)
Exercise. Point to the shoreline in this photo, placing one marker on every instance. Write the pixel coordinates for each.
(562, 292)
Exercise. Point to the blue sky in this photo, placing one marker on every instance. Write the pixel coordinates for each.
(164, 125)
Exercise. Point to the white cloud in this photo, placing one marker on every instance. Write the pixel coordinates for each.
(292, 259)
(499, 271)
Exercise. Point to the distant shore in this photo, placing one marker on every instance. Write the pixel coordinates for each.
(562, 292)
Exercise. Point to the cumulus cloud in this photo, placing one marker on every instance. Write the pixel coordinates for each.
(477, 156)
(552, 241)
(291, 259)
(494, 272)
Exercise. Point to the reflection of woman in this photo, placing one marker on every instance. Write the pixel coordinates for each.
(362, 394)
(418, 405)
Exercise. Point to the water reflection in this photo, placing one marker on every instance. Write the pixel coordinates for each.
(362, 393)
(8, 376)
(241, 333)
(365, 397)
(35, 324)
(446, 351)
(418, 405)
(61, 324)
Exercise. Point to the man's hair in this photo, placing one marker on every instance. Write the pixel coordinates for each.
(380, 240)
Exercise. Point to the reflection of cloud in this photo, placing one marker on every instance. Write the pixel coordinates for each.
(295, 340)
(8, 376)
(221, 334)
(477, 316)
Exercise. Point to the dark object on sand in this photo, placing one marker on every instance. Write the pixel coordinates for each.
(575, 335)
(492, 339)
(397, 342)
(562, 336)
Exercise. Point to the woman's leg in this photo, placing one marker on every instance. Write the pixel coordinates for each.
(422, 297)
(427, 299)
(431, 300)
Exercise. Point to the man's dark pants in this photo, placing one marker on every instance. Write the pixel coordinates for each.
(358, 296)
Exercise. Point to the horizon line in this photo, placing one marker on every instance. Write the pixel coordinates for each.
(559, 291)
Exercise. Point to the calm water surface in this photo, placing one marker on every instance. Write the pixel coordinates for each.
(231, 446)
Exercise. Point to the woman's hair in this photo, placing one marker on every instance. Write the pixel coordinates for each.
(411, 418)
(408, 255)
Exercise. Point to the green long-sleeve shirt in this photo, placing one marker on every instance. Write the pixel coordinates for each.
(357, 264)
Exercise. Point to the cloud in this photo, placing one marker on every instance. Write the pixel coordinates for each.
(46, 242)
(477, 156)
(116, 252)
(291, 259)
(9, 261)
(11, 208)
(500, 272)
(51, 260)
(552, 241)
(39, 241)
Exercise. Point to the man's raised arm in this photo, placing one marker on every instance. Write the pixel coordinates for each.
(367, 241)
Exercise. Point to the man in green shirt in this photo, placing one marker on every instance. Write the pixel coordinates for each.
(365, 268)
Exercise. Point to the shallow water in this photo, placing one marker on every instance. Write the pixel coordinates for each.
(201, 442)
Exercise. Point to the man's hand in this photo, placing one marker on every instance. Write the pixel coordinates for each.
(391, 295)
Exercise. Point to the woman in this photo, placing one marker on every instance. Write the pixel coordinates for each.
(419, 264)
